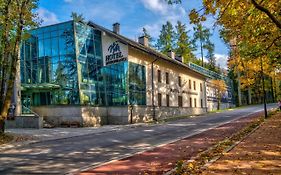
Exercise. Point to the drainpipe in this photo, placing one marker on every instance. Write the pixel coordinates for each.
(152, 88)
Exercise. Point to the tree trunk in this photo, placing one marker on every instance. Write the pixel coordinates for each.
(249, 96)
(202, 54)
(239, 89)
(2, 125)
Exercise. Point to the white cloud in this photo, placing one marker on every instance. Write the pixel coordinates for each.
(172, 13)
(221, 60)
(157, 6)
(47, 16)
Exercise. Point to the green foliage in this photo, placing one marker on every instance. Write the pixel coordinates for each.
(166, 40)
(202, 37)
(77, 17)
(183, 43)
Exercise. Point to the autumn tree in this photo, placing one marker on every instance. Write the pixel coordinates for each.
(256, 27)
(166, 40)
(16, 17)
(220, 89)
(184, 46)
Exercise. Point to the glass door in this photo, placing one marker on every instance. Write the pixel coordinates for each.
(26, 104)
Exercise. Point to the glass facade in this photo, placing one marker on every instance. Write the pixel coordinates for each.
(62, 64)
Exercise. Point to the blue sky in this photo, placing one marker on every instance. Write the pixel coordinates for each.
(133, 15)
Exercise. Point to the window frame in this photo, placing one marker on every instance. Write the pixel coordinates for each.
(180, 101)
(194, 85)
(159, 75)
(179, 81)
(159, 98)
(167, 78)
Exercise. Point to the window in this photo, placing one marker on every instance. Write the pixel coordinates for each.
(201, 103)
(195, 103)
(189, 82)
(194, 85)
(168, 100)
(201, 88)
(159, 76)
(159, 99)
(180, 101)
(179, 81)
(190, 102)
(167, 78)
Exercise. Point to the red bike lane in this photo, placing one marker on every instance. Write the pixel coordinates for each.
(164, 158)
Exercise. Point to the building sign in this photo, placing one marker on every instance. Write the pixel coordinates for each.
(113, 50)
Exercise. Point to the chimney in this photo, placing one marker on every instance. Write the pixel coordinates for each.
(116, 28)
(143, 40)
(179, 58)
(171, 54)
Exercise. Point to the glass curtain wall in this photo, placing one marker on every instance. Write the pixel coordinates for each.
(47, 61)
(51, 74)
(90, 65)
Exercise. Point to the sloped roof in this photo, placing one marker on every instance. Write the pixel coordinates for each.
(141, 47)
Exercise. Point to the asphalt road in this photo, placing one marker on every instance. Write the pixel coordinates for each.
(68, 155)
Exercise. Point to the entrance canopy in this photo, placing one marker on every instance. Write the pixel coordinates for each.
(41, 86)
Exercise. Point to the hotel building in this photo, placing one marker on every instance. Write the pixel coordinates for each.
(82, 72)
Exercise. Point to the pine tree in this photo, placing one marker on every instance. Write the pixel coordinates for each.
(201, 36)
(166, 40)
(77, 17)
(183, 44)
(210, 47)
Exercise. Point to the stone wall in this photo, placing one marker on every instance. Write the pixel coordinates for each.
(95, 116)
(145, 114)
(27, 121)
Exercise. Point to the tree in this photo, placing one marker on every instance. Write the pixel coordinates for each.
(210, 47)
(254, 25)
(183, 43)
(16, 17)
(77, 17)
(166, 40)
(220, 89)
(202, 35)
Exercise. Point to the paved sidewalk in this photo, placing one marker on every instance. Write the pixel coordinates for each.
(161, 159)
(259, 153)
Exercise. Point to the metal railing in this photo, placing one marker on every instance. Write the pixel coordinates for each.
(26, 110)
